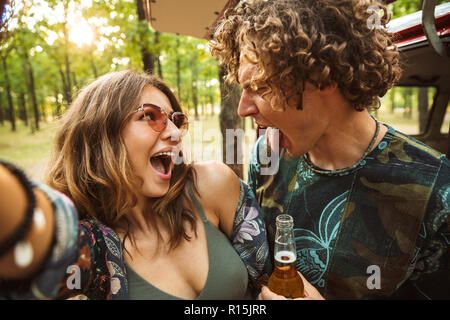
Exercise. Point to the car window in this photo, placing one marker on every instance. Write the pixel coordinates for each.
(407, 109)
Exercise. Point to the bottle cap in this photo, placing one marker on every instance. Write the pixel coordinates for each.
(285, 221)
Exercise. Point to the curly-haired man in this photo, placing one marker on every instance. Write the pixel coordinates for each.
(370, 204)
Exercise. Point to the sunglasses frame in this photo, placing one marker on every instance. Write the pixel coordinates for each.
(168, 116)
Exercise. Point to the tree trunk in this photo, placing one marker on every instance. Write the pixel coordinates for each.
(195, 99)
(12, 116)
(64, 84)
(423, 108)
(147, 60)
(408, 101)
(68, 81)
(392, 94)
(92, 62)
(23, 108)
(178, 74)
(194, 81)
(31, 89)
(94, 68)
(42, 111)
(75, 83)
(158, 60)
(211, 101)
(58, 105)
(229, 119)
(160, 73)
(2, 116)
(68, 86)
(147, 57)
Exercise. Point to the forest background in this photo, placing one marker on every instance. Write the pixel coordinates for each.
(51, 49)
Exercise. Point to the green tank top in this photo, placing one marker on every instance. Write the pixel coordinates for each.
(227, 277)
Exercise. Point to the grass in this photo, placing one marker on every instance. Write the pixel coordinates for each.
(30, 151)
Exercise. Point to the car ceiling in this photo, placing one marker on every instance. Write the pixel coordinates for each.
(422, 66)
(188, 17)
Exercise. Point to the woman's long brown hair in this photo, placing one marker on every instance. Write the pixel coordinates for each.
(90, 164)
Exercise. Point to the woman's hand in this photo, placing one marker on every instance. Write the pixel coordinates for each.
(311, 292)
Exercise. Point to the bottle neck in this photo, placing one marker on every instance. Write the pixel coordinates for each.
(284, 241)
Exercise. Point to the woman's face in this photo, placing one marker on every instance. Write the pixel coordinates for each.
(150, 152)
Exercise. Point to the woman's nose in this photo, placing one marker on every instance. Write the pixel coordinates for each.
(172, 132)
(247, 106)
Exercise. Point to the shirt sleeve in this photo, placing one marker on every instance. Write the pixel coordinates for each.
(249, 238)
(430, 271)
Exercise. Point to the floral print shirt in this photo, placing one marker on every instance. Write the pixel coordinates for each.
(87, 257)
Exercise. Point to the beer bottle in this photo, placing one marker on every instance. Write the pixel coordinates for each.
(285, 280)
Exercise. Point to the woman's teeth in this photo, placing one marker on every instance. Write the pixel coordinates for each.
(170, 154)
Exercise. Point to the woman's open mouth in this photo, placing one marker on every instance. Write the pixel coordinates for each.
(162, 163)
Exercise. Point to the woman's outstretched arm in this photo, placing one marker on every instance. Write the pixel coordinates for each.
(58, 256)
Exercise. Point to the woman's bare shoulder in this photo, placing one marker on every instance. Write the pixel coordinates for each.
(214, 176)
(218, 187)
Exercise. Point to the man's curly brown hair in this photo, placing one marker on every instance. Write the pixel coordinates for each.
(316, 41)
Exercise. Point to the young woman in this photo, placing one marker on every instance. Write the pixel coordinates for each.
(137, 224)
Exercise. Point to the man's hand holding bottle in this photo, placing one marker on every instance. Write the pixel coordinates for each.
(311, 293)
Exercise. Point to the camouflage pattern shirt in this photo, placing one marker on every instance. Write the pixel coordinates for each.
(380, 231)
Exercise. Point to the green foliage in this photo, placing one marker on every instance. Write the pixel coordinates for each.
(403, 7)
(51, 38)
(54, 35)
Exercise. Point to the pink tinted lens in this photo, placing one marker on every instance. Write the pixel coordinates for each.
(157, 119)
(180, 120)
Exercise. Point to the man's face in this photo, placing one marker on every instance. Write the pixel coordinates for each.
(299, 129)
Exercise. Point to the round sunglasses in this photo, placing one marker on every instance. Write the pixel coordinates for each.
(157, 117)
